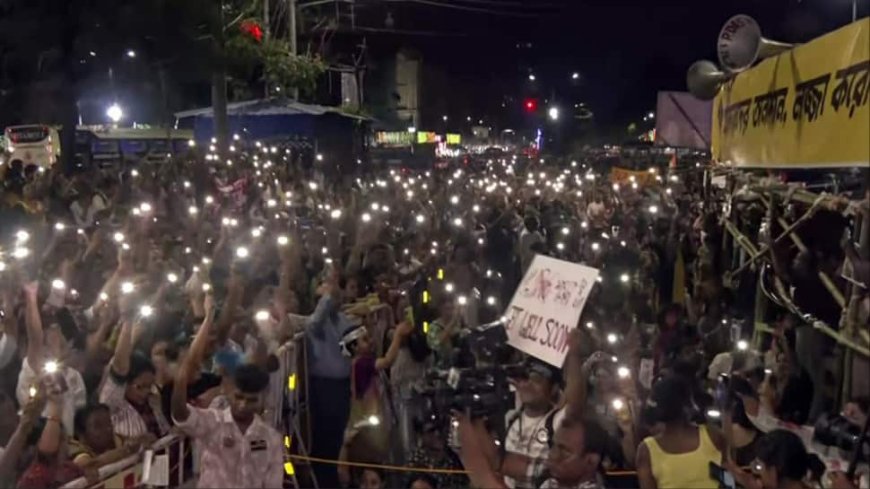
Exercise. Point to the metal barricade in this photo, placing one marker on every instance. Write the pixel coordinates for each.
(128, 472)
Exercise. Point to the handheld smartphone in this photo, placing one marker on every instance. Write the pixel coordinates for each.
(722, 476)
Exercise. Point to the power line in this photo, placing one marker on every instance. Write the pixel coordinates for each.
(521, 5)
(411, 32)
(467, 8)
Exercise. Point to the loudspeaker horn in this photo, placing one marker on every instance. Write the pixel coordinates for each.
(740, 44)
(704, 79)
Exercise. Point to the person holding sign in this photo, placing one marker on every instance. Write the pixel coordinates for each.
(531, 430)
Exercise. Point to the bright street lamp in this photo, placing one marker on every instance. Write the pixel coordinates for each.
(575, 76)
(114, 112)
(131, 53)
(531, 77)
(444, 118)
(553, 112)
(651, 115)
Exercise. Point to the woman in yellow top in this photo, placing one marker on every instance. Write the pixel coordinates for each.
(679, 456)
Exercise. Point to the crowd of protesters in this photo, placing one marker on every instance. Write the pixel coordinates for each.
(151, 300)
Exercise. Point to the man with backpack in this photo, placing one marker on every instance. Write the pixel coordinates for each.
(530, 429)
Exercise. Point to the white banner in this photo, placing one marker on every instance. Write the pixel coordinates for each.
(546, 307)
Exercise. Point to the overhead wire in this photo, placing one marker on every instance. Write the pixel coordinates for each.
(467, 8)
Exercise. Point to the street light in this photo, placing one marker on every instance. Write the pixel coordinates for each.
(553, 112)
(131, 53)
(651, 115)
(531, 77)
(114, 112)
(575, 76)
(444, 118)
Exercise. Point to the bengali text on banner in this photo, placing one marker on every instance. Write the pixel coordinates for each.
(546, 307)
(806, 108)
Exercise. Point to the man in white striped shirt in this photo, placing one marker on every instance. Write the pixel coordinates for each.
(239, 450)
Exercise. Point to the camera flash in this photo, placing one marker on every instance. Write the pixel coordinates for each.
(206, 287)
(127, 287)
(57, 284)
(172, 278)
(118, 237)
(618, 404)
(59, 226)
(611, 338)
(623, 372)
(146, 311)
(742, 345)
(262, 315)
(104, 296)
(32, 392)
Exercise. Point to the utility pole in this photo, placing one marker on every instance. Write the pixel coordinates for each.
(266, 23)
(291, 24)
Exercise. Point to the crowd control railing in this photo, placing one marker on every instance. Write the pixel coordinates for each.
(128, 472)
(182, 455)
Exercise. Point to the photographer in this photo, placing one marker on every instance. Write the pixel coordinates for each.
(530, 430)
(573, 462)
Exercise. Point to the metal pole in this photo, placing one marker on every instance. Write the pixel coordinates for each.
(266, 19)
(291, 24)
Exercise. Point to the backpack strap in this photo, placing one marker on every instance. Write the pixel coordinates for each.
(548, 425)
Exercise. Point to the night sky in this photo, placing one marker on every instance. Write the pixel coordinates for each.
(625, 50)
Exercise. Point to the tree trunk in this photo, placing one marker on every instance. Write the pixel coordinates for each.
(219, 88)
(69, 121)
(68, 94)
(219, 109)
(167, 114)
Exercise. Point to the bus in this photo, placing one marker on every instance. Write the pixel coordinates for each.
(33, 144)
(112, 146)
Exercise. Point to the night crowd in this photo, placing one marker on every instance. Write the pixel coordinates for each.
(162, 300)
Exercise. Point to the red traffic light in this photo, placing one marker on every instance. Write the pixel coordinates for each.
(531, 105)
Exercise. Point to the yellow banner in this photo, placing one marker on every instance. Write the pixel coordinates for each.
(805, 108)
(623, 176)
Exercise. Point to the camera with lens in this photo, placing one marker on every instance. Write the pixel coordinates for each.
(838, 431)
(478, 391)
(479, 383)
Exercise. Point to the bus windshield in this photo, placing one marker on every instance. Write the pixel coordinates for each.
(27, 134)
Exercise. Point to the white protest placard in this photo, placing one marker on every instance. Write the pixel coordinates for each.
(546, 307)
